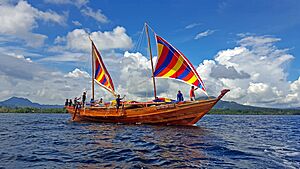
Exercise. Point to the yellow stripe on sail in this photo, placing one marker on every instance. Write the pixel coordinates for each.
(192, 80)
(159, 49)
(101, 75)
(175, 68)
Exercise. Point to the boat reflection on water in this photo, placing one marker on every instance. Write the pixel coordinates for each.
(126, 146)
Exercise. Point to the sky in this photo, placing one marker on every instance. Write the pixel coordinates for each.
(250, 47)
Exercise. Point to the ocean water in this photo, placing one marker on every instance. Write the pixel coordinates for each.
(218, 141)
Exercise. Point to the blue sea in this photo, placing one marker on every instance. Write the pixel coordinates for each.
(218, 141)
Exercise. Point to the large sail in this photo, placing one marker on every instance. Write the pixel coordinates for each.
(171, 63)
(102, 76)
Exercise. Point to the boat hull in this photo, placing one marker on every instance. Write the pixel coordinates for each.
(187, 113)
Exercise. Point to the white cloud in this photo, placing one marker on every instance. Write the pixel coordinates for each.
(77, 73)
(76, 23)
(66, 57)
(20, 20)
(204, 34)
(77, 3)
(258, 57)
(97, 15)
(39, 84)
(257, 88)
(18, 56)
(78, 40)
(258, 41)
(190, 26)
(59, 39)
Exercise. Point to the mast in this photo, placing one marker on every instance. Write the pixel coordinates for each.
(93, 71)
(150, 52)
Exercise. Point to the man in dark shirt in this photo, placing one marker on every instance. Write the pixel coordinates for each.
(70, 102)
(67, 102)
(118, 101)
(83, 98)
(179, 96)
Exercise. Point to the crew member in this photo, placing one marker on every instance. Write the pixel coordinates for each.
(179, 96)
(192, 93)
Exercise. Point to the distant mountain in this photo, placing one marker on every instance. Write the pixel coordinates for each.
(23, 102)
(233, 106)
(236, 106)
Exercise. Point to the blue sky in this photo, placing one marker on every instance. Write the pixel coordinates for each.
(200, 29)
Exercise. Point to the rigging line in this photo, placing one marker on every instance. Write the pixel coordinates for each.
(150, 28)
(137, 46)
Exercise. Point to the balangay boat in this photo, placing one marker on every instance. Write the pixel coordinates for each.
(171, 63)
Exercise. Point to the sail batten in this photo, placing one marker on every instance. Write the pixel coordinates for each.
(101, 75)
(171, 63)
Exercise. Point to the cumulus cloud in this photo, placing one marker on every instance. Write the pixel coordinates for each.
(77, 73)
(20, 20)
(254, 71)
(204, 34)
(221, 71)
(32, 80)
(78, 40)
(97, 15)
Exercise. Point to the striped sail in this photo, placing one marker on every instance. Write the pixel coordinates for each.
(102, 76)
(171, 63)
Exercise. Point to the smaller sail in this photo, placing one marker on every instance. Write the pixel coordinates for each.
(171, 63)
(102, 76)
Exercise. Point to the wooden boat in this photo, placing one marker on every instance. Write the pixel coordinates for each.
(172, 64)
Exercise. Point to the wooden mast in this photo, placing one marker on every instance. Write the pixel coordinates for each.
(93, 72)
(150, 52)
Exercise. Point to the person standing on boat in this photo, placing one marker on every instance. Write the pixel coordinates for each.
(83, 98)
(192, 93)
(179, 96)
(118, 101)
(67, 102)
(70, 102)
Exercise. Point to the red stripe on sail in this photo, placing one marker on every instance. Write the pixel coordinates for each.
(197, 75)
(169, 67)
(179, 72)
(196, 83)
(162, 57)
(102, 80)
(188, 77)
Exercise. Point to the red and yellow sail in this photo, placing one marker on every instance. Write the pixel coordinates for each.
(171, 63)
(102, 76)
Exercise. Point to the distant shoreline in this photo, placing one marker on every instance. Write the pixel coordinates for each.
(255, 112)
(213, 111)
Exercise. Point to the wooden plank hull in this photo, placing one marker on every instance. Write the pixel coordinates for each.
(168, 114)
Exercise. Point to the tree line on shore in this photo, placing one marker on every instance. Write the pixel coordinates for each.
(31, 110)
